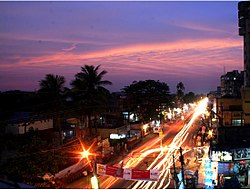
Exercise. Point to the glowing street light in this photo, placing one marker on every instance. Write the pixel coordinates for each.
(210, 133)
(85, 154)
(94, 182)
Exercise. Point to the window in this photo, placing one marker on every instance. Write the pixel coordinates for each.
(237, 122)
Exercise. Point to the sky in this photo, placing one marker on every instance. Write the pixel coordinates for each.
(171, 41)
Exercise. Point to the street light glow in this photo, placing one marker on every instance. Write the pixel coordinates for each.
(85, 154)
(162, 155)
(94, 182)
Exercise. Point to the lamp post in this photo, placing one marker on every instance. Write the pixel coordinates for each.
(176, 184)
(182, 168)
(94, 182)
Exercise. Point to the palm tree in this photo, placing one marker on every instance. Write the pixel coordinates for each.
(53, 84)
(52, 89)
(180, 92)
(88, 90)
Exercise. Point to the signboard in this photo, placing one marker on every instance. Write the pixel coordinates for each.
(242, 154)
(101, 169)
(117, 136)
(214, 166)
(114, 171)
(222, 156)
(140, 174)
(128, 173)
(223, 168)
(154, 175)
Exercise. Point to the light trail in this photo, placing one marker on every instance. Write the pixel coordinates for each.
(164, 159)
(164, 164)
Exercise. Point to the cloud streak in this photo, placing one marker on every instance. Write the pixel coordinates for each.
(73, 46)
(131, 40)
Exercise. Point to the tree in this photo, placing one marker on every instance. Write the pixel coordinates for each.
(180, 93)
(89, 92)
(145, 97)
(52, 90)
(189, 98)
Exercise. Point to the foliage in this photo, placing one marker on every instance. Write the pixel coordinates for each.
(189, 98)
(51, 91)
(88, 91)
(34, 158)
(180, 90)
(145, 97)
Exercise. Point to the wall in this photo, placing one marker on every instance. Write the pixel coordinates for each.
(245, 93)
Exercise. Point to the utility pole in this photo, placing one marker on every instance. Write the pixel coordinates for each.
(176, 179)
(182, 168)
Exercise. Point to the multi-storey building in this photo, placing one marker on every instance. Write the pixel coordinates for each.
(231, 83)
(244, 30)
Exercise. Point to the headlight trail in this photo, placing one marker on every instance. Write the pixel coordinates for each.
(167, 161)
(164, 159)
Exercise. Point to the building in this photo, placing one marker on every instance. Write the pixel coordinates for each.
(244, 30)
(22, 122)
(232, 151)
(230, 111)
(231, 83)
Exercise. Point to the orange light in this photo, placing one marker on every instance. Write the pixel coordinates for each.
(210, 133)
(85, 154)
(94, 182)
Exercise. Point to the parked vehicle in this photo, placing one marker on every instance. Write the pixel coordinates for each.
(72, 173)
(157, 129)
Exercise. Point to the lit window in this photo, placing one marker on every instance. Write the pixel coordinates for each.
(237, 122)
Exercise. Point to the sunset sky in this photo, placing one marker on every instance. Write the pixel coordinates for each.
(170, 41)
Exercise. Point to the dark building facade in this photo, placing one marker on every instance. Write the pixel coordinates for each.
(244, 30)
(231, 83)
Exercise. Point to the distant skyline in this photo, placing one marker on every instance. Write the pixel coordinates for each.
(169, 41)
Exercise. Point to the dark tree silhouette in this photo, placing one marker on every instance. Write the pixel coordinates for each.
(89, 92)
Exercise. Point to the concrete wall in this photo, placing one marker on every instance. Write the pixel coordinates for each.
(20, 128)
(106, 132)
(228, 109)
(245, 93)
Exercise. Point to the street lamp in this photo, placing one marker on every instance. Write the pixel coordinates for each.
(94, 182)
(85, 154)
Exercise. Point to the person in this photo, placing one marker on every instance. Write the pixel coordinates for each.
(221, 181)
(196, 174)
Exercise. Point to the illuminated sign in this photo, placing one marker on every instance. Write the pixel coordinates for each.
(222, 156)
(128, 173)
(214, 167)
(242, 154)
(117, 136)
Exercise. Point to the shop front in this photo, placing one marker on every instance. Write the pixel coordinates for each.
(134, 137)
(232, 166)
(242, 165)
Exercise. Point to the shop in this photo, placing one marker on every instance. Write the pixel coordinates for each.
(134, 137)
(118, 141)
(242, 165)
(232, 165)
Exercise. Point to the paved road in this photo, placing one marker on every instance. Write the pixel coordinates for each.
(113, 183)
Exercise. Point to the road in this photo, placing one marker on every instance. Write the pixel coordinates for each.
(158, 151)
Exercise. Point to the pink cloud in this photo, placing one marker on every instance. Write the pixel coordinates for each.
(168, 61)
